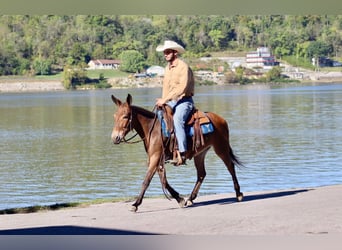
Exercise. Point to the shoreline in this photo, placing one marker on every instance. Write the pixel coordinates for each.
(34, 85)
(301, 211)
(30, 86)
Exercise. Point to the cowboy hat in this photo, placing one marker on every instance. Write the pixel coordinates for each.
(170, 45)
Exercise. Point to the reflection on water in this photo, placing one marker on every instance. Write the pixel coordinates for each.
(55, 147)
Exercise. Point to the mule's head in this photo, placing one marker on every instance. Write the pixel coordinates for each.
(122, 119)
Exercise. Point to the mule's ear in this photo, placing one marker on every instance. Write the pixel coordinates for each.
(129, 99)
(116, 101)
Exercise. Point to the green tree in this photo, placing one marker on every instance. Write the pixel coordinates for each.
(318, 49)
(216, 36)
(78, 55)
(73, 76)
(132, 61)
(41, 66)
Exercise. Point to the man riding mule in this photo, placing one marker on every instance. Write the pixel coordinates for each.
(196, 125)
(129, 117)
(178, 89)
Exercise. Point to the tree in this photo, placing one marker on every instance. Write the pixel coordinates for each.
(41, 66)
(73, 76)
(318, 49)
(78, 55)
(132, 61)
(216, 36)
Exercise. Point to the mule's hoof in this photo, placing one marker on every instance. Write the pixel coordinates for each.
(239, 197)
(134, 209)
(182, 203)
(189, 203)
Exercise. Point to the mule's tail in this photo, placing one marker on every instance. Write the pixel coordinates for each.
(234, 158)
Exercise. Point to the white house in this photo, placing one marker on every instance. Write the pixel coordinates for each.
(104, 64)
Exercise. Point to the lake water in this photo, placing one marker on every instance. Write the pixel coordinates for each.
(55, 146)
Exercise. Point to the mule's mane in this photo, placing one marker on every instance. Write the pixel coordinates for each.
(142, 111)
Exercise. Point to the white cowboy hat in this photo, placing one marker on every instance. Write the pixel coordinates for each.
(170, 45)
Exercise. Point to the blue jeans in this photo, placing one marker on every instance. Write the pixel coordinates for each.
(181, 111)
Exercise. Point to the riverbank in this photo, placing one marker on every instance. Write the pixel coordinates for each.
(24, 85)
(32, 85)
(305, 211)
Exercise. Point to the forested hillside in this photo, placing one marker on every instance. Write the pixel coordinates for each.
(31, 45)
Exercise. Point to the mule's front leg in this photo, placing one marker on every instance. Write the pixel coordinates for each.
(148, 177)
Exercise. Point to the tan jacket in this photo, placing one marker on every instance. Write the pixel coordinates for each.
(178, 81)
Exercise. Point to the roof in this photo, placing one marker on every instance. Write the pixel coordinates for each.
(106, 61)
(156, 70)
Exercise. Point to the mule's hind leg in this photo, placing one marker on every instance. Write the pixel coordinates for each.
(200, 168)
(165, 184)
(227, 156)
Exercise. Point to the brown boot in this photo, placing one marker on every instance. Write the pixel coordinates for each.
(181, 159)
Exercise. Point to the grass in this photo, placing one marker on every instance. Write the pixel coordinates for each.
(92, 74)
(33, 209)
(57, 206)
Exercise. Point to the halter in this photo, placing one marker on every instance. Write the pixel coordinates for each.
(128, 141)
(130, 129)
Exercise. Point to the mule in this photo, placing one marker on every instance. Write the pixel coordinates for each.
(129, 117)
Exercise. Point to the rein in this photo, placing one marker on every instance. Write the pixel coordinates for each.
(128, 141)
(131, 138)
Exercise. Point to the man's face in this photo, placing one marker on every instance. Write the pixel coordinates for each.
(170, 54)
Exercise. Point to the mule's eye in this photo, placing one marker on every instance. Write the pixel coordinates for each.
(125, 117)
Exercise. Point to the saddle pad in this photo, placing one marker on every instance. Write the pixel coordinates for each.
(206, 129)
(165, 131)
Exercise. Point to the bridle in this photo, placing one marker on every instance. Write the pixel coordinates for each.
(129, 124)
(128, 141)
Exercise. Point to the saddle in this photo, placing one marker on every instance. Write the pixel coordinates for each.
(197, 124)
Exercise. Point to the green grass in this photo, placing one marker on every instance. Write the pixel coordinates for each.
(57, 206)
(93, 74)
(33, 209)
(107, 73)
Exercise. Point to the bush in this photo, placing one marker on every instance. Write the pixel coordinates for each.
(73, 76)
(41, 66)
(231, 77)
(273, 74)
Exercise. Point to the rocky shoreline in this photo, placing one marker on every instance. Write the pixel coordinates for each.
(29, 85)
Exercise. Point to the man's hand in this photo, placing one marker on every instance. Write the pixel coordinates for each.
(160, 102)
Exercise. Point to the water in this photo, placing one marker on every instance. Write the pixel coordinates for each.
(55, 147)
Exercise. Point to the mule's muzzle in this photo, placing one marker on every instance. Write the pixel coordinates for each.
(116, 139)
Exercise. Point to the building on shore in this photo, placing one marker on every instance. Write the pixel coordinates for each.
(103, 64)
(262, 57)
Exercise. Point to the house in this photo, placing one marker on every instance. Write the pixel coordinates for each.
(260, 58)
(104, 64)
